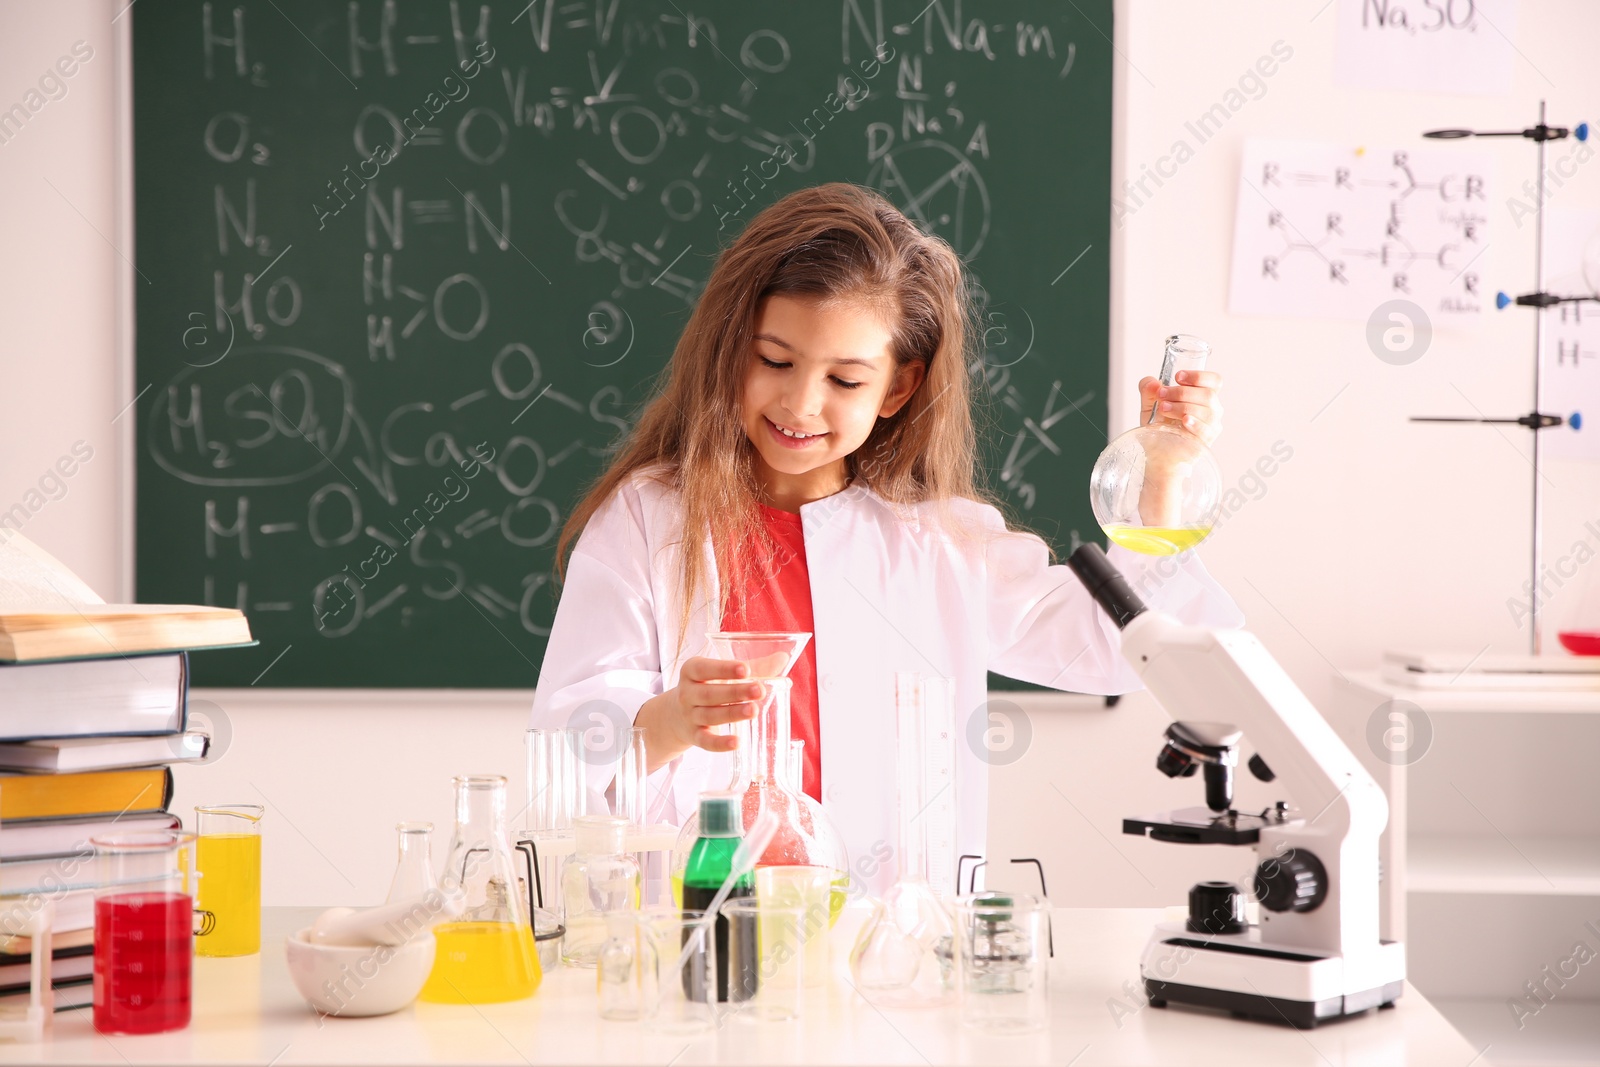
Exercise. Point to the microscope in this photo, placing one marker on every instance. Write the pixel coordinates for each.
(1315, 955)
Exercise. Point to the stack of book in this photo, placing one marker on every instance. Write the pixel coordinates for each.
(93, 713)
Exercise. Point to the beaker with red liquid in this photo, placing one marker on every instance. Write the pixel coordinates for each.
(144, 931)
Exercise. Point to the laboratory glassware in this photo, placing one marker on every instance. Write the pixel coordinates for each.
(710, 863)
(599, 878)
(626, 970)
(770, 654)
(896, 958)
(631, 792)
(144, 917)
(555, 779)
(767, 959)
(413, 874)
(805, 836)
(487, 955)
(1002, 962)
(808, 889)
(685, 998)
(556, 795)
(229, 854)
(1156, 489)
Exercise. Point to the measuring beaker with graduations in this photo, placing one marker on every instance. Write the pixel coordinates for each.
(229, 857)
(144, 918)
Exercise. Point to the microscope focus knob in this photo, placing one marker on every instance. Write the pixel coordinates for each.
(1298, 882)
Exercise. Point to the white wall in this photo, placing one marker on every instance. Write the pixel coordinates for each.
(1376, 534)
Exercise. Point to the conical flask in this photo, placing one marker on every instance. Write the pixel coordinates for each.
(896, 960)
(413, 875)
(487, 955)
(1156, 489)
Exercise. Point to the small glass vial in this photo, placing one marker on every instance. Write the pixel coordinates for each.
(599, 878)
(414, 874)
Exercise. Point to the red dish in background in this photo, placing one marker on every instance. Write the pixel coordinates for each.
(1581, 642)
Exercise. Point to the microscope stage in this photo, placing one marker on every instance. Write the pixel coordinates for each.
(1200, 826)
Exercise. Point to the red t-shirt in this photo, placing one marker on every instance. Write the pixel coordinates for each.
(782, 601)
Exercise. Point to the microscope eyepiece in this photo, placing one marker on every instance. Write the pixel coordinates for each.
(1106, 584)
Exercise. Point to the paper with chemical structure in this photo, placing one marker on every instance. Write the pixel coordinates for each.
(1571, 331)
(1442, 46)
(1330, 231)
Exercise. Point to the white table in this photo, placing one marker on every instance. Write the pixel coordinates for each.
(247, 1011)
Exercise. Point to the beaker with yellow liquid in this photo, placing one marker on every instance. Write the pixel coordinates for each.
(1156, 489)
(488, 955)
(228, 857)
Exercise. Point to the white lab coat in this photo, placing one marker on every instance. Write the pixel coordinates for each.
(892, 589)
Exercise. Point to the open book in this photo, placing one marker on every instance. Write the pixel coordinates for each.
(47, 612)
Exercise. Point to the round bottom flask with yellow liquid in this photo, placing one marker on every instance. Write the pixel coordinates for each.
(1156, 489)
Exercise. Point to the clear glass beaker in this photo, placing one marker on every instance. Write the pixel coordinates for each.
(599, 878)
(1002, 962)
(686, 994)
(766, 959)
(144, 918)
(627, 971)
(413, 874)
(1156, 489)
(229, 855)
(897, 955)
(488, 955)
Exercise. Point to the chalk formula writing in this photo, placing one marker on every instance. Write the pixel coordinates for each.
(414, 265)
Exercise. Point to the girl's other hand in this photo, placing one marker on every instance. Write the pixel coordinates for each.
(710, 693)
(1192, 402)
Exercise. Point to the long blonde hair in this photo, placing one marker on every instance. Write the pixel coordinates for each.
(829, 242)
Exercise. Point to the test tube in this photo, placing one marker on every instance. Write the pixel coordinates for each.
(631, 777)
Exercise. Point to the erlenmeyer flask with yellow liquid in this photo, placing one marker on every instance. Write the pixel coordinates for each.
(1156, 489)
(488, 955)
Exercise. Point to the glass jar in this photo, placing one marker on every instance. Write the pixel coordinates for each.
(600, 877)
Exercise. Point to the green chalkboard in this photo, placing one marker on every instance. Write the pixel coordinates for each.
(392, 312)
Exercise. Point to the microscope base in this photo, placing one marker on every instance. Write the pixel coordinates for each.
(1242, 974)
(1301, 1014)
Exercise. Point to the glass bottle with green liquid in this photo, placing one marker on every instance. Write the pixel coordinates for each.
(710, 864)
(1156, 489)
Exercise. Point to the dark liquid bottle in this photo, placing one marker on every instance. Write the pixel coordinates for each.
(710, 863)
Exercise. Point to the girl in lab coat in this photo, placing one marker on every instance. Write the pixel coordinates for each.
(807, 463)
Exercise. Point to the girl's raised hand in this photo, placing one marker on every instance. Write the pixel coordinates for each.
(709, 693)
(1192, 402)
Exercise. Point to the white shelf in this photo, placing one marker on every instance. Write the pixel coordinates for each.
(1547, 866)
(1565, 1033)
(1453, 699)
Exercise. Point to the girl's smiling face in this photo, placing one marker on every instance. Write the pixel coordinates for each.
(820, 376)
